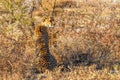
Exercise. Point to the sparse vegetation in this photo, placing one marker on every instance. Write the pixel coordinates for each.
(85, 41)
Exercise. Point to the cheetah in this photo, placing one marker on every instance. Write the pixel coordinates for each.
(43, 59)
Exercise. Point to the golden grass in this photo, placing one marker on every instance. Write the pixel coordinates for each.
(86, 40)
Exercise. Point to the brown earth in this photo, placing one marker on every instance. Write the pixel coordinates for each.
(85, 43)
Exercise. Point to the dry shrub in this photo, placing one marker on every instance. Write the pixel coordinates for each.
(93, 30)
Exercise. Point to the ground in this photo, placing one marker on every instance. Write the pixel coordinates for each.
(86, 41)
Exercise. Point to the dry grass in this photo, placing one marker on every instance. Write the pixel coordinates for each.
(85, 41)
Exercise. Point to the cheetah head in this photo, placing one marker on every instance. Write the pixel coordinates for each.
(48, 22)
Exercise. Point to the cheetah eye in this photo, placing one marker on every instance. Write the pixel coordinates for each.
(50, 20)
